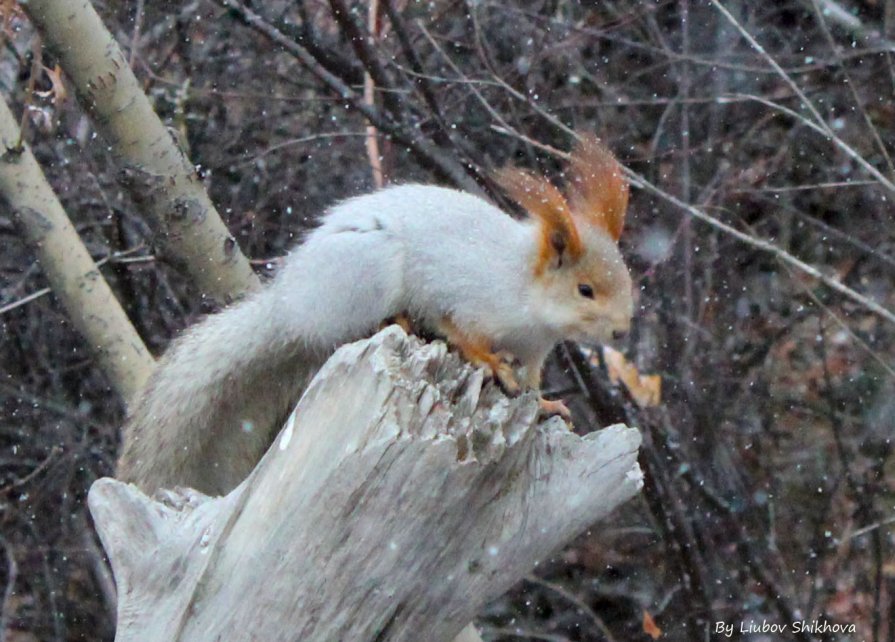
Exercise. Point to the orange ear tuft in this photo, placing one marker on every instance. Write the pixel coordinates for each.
(598, 189)
(541, 198)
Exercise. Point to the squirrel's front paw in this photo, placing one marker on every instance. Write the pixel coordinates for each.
(503, 374)
(478, 351)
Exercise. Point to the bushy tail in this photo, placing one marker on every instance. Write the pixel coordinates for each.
(215, 402)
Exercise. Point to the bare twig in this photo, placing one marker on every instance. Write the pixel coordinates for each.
(407, 48)
(115, 257)
(773, 63)
(362, 43)
(99, 565)
(580, 604)
(766, 246)
(9, 307)
(867, 529)
(372, 139)
(660, 495)
(71, 271)
(472, 86)
(12, 576)
(55, 451)
(817, 122)
(286, 144)
(822, 8)
(154, 169)
(425, 152)
(136, 33)
(828, 134)
(783, 189)
(686, 183)
(889, 20)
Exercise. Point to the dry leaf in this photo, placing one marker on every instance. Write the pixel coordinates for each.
(646, 390)
(650, 627)
(57, 91)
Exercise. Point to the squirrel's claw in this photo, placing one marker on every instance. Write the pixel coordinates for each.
(553, 407)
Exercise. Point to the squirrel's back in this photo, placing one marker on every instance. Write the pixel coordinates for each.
(460, 255)
(223, 389)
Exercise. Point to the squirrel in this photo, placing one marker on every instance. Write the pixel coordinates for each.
(454, 264)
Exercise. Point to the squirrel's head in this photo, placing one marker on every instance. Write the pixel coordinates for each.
(582, 285)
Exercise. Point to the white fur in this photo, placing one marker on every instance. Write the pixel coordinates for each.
(214, 404)
(428, 251)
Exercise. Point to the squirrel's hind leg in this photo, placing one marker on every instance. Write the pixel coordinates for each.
(478, 351)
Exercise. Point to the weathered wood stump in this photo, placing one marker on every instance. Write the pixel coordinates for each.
(403, 494)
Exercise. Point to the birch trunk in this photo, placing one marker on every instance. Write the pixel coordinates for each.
(154, 169)
(74, 277)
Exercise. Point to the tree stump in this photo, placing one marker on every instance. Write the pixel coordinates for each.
(403, 494)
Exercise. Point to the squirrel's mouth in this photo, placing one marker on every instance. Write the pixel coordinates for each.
(599, 331)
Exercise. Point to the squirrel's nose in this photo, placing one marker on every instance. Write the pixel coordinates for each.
(617, 335)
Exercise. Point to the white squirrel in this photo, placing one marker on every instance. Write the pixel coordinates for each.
(453, 264)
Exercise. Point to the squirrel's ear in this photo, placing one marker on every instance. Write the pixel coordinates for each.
(598, 189)
(559, 241)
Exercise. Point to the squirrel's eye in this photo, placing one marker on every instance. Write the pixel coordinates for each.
(585, 290)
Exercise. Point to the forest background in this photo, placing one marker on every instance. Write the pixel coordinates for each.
(760, 237)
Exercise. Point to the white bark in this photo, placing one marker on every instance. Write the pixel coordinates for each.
(402, 495)
(159, 176)
(74, 276)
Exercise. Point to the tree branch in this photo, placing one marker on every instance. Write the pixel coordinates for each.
(74, 277)
(154, 169)
(424, 151)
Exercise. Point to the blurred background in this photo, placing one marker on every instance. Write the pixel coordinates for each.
(769, 489)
